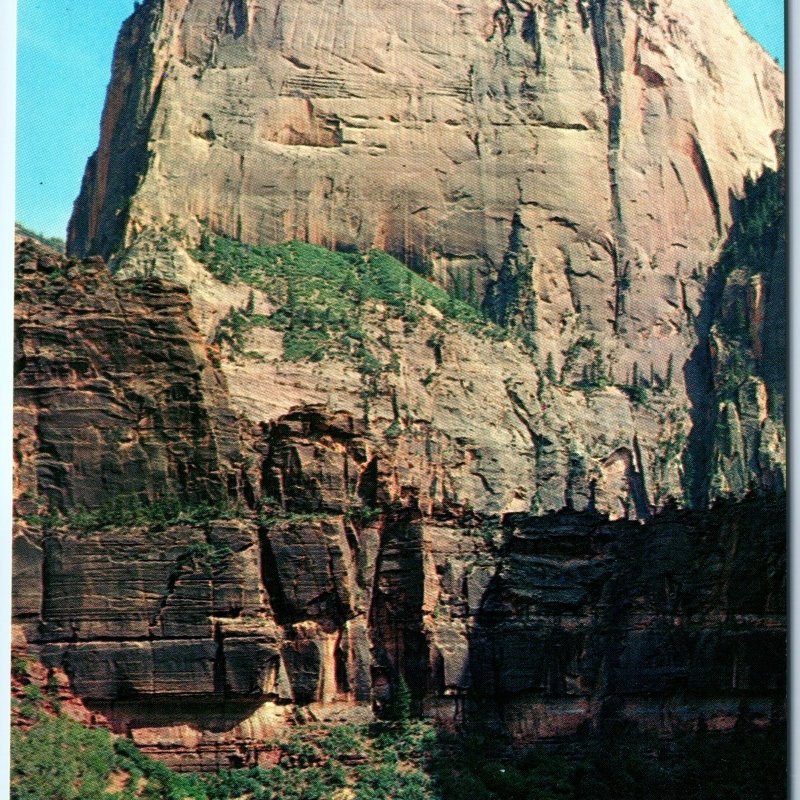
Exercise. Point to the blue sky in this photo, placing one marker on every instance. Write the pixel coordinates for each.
(64, 52)
(63, 66)
(763, 19)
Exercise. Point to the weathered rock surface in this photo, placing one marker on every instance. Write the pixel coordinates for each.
(659, 624)
(457, 420)
(114, 391)
(573, 166)
(610, 132)
(540, 626)
(200, 638)
(577, 166)
(586, 151)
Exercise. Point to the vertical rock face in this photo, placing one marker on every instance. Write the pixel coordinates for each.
(479, 504)
(115, 394)
(594, 144)
(200, 638)
(605, 132)
(329, 575)
(571, 167)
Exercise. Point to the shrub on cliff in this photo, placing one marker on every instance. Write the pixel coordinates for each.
(320, 296)
(398, 709)
(61, 760)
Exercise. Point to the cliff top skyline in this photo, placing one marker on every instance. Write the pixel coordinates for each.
(54, 37)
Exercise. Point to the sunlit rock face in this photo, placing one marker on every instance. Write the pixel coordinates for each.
(570, 166)
(602, 140)
(328, 573)
(480, 518)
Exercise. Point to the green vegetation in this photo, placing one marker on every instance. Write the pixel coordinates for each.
(320, 297)
(130, 510)
(510, 300)
(58, 759)
(61, 760)
(595, 375)
(636, 392)
(573, 353)
(759, 226)
(550, 370)
(670, 450)
(320, 301)
(202, 555)
(743, 766)
(646, 8)
(267, 519)
(20, 667)
(57, 244)
(235, 324)
(398, 708)
(756, 246)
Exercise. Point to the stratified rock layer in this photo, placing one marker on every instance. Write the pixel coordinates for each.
(600, 134)
(572, 167)
(114, 392)
(200, 638)
(199, 641)
(584, 151)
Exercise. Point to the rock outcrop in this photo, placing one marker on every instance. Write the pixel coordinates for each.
(590, 135)
(570, 168)
(254, 485)
(323, 573)
(203, 640)
(114, 391)
(462, 420)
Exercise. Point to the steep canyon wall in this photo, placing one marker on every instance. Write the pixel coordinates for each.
(513, 505)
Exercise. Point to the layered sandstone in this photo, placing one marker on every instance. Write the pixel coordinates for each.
(576, 166)
(114, 391)
(595, 144)
(602, 133)
(202, 640)
(331, 573)
(461, 421)
(481, 507)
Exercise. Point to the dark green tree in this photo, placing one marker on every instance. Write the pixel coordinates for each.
(550, 370)
(398, 709)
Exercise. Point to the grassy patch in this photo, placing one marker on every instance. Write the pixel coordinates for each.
(320, 298)
(131, 511)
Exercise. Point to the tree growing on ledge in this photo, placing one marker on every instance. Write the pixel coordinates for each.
(398, 709)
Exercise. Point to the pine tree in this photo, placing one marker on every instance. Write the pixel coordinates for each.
(598, 370)
(398, 709)
(550, 370)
